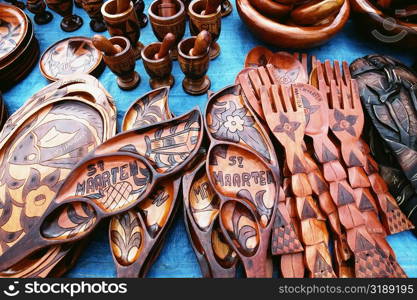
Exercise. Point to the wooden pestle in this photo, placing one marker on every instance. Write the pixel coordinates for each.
(167, 8)
(166, 45)
(211, 7)
(104, 45)
(122, 5)
(202, 42)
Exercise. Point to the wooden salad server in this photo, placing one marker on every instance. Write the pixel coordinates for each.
(77, 100)
(392, 217)
(281, 68)
(201, 210)
(104, 185)
(135, 236)
(230, 118)
(346, 123)
(248, 187)
(284, 114)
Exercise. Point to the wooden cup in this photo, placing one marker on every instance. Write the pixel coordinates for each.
(38, 7)
(93, 9)
(123, 24)
(211, 23)
(163, 25)
(196, 82)
(123, 64)
(158, 69)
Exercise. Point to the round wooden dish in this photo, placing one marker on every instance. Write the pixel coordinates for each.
(13, 30)
(397, 32)
(296, 37)
(74, 55)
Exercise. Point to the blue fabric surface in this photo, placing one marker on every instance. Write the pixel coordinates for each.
(177, 258)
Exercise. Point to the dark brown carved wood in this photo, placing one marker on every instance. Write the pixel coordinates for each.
(38, 7)
(41, 127)
(70, 21)
(93, 9)
(201, 211)
(284, 113)
(117, 192)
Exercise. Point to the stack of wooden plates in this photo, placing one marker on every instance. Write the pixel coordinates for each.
(19, 49)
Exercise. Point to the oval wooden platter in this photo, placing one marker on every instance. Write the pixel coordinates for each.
(74, 55)
(40, 127)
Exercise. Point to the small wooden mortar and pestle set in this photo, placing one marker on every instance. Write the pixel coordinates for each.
(121, 20)
(193, 56)
(158, 62)
(119, 57)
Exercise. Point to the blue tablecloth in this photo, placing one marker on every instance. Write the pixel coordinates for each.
(177, 258)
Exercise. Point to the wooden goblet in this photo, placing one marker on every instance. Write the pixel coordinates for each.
(158, 69)
(226, 8)
(163, 25)
(196, 82)
(123, 24)
(93, 9)
(210, 22)
(123, 64)
(38, 7)
(70, 21)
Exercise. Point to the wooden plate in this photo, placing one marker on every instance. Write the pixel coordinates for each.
(74, 55)
(13, 29)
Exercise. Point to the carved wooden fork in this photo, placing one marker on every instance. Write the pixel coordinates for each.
(284, 114)
(393, 219)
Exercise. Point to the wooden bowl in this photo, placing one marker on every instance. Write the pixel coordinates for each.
(74, 55)
(287, 36)
(383, 27)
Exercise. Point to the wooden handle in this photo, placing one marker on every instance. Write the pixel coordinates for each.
(201, 44)
(104, 45)
(122, 5)
(211, 7)
(166, 45)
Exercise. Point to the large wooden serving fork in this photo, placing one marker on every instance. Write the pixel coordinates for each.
(284, 113)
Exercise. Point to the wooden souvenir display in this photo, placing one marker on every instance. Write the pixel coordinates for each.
(137, 236)
(286, 120)
(20, 48)
(75, 55)
(140, 169)
(174, 24)
(248, 203)
(57, 127)
(38, 7)
(93, 9)
(201, 211)
(346, 122)
(193, 56)
(392, 24)
(210, 21)
(123, 22)
(226, 8)
(140, 8)
(158, 62)
(229, 118)
(120, 58)
(391, 109)
(282, 24)
(70, 21)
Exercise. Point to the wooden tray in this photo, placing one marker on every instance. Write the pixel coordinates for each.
(74, 55)
(45, 165)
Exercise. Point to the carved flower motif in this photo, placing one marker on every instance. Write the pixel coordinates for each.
(286, 126)
(344, 123)
(234, 123)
